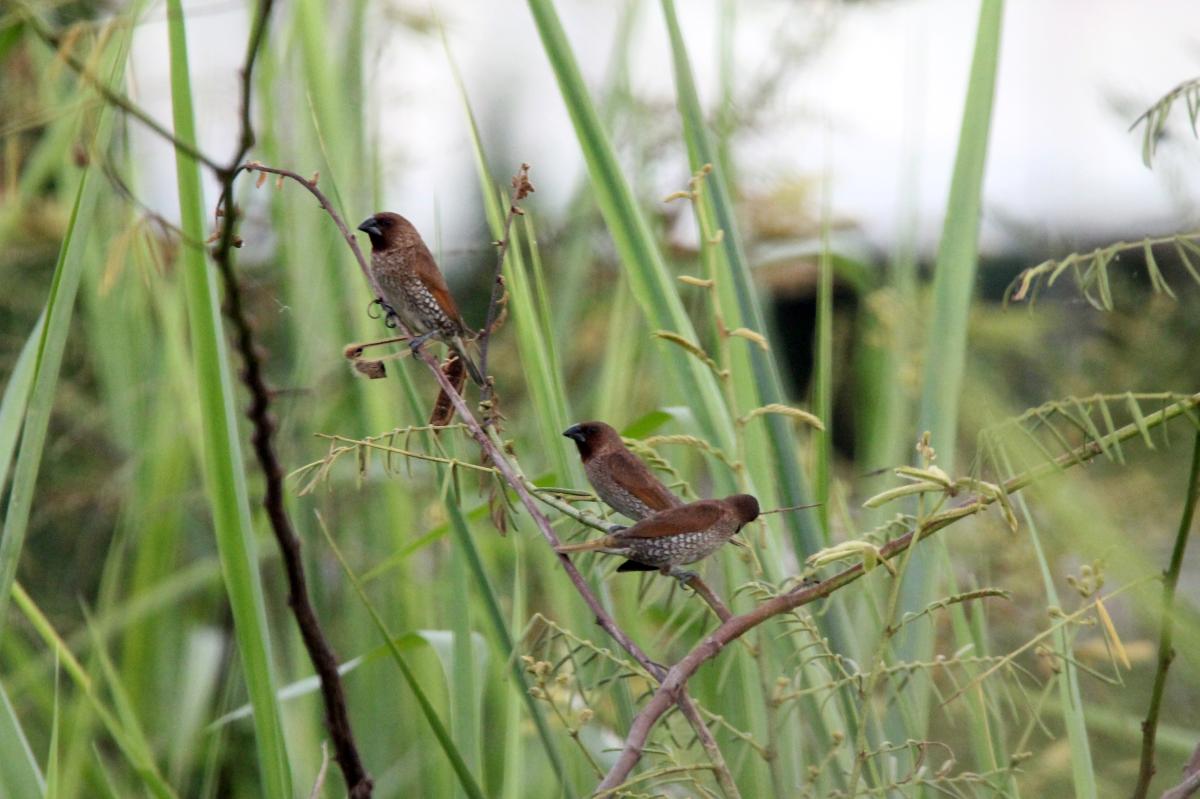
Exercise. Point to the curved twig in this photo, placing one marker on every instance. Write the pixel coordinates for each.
(679, 674)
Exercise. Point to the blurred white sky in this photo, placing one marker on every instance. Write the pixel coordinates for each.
(876, 108)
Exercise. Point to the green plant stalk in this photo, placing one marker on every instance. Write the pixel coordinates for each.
(954, 272)
(954, 281)
(514, 762)
(53, 789)
(768, 385)
(19, 772)
(465, 778)
(547, 392)
(650, 281)
(222, 461)
(500, 630)
(990, 738)
(756, 378)
(1083, 773)
(130, 740)
(46, 365)
(1166, 652)
(823, 369)
(16, 398)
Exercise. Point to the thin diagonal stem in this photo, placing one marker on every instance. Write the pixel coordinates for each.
(1166, 651)
(677, 678)
(521, 187)
(112, 97)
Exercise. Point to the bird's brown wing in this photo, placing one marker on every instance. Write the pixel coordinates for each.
(632, 475)
(426, 269)
(690, 518)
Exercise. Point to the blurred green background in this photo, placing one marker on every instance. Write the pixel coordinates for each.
(150, 604)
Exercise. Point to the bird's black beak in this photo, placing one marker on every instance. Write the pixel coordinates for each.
(371, 227)
(575, 433)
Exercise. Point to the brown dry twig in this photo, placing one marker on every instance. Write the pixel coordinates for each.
(325, 662)
(358, 782)
(521, 188)
(735, 627)
(1191, 779)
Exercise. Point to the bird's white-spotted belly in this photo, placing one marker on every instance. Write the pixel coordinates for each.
(674, 549)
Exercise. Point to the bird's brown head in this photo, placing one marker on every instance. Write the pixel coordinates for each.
(593, 438)
(387, 230)
(745, 506)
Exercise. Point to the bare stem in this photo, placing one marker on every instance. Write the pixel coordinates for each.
(1191, 779)
(337, 717)
(677, 678)
(521, 189)
(112, 97)
(1166, 652)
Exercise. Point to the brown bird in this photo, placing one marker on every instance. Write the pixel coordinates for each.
(413, 287)
(620, 478)
(676, 536)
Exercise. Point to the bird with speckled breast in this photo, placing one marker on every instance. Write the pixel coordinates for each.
(413, 287)
(619, 477)
(675, 536)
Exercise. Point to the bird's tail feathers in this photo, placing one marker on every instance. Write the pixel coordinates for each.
(604, 542)
(460, 347)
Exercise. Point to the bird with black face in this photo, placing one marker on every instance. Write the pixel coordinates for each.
(619, 477)
(676, 536)
(413, 287)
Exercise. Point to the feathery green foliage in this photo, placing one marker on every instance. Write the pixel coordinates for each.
(160, 656)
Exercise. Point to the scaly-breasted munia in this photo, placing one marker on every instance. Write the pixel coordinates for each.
(620, 478)
(676, 536)
(413, 286)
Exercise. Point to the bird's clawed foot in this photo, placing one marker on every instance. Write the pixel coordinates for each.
(682, 575)
(416, 343)
(613, 529)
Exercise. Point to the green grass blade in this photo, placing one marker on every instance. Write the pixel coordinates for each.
(224, 477)
(19, 772)
(650, 281)
(131, 744)
(747, 310)
(465, 778)
(53, 783)
(459, 658)
(462, 534)
(51, 343)
(954, 272)
(954, 283)
(16, 398)
(823, 374)
(1072, 708)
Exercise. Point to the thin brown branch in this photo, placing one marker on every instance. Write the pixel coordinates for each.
(337, 717)
(112, 97)
(1166, 651)
(708, 595)
(1191, 779)
(679, 674)
(521, 189)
